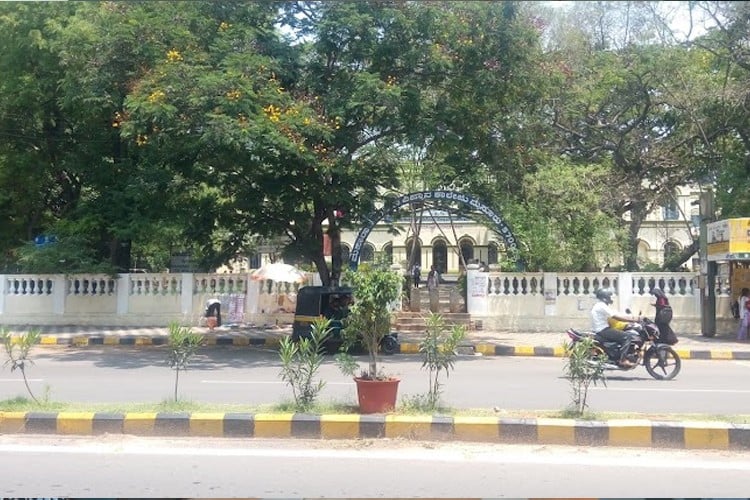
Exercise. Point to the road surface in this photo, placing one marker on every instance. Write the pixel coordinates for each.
(126, 466)
(247, 376)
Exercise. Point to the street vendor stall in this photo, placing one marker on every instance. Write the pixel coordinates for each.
(729, 242)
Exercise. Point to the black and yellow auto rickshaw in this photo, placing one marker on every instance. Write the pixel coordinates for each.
(331, 302)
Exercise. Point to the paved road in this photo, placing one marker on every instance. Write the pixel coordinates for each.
(232, 375)
(126, 466)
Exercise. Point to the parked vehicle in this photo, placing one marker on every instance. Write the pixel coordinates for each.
(332, 303)
(661, 361)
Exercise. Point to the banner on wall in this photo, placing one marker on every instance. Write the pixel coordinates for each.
(479, 285)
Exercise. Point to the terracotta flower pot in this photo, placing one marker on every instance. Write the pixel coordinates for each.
(376, 396)
(211, 322)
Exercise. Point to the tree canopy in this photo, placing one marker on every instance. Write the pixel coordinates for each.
(134, 130)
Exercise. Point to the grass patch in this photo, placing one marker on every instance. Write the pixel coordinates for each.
(23, 404)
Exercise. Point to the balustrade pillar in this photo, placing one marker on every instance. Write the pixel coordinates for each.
(186, 294)
(625, 291)
(477, 283)
(3, 287)
(123, 294)
(59, 293)
(252, 296)
(550, 294)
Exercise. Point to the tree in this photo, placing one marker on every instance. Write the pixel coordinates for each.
(561, 218)
(621, 108)
(35, 189)
(266, 148)
(725, 111)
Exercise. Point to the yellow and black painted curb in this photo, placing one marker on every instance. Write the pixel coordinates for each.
(631, 433)
(485, 349)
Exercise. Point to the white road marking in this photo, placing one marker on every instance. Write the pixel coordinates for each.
(262, 382)
(649, 459)
(635, 389)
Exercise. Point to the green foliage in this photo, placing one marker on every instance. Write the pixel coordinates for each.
(70, 254)
(301, 361)
(183, 344)
(562, 220)
(438, 350)
(17, 349)
(150, 127)
(584, 365)
(375, 288)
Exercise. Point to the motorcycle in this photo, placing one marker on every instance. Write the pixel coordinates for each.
(661, 361)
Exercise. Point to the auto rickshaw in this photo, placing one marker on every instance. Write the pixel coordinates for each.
(331, 302)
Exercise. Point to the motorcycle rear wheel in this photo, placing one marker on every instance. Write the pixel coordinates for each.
(662, 363)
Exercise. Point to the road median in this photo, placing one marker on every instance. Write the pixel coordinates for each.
(616, 432)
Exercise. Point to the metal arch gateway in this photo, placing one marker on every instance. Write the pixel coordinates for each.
(502, 228)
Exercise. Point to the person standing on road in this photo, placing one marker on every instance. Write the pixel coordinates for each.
(601, 314)
(744, 303)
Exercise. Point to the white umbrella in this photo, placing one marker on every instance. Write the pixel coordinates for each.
(278, 271)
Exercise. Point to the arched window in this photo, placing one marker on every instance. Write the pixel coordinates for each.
(367, 254)
(467, 250)
(388, 251)
(492, 253)
(671, 249)
(643, 251)
(440, 256)
(345, 253)
(417, 249)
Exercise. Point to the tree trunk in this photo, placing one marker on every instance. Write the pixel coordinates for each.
(119, 254)
(638, 214)
(334, 233)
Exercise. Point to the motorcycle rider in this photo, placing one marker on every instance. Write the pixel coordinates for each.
(601, 314)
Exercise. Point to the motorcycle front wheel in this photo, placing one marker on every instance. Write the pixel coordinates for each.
(662, 363)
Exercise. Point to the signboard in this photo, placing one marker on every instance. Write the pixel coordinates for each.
(728, 239)
(181, 263)
(479, 285)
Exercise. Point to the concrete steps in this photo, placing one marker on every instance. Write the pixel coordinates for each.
(416, 322)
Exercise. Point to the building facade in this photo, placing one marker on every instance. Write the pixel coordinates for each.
(667, 230)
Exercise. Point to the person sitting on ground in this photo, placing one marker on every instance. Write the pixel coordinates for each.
(601, 314)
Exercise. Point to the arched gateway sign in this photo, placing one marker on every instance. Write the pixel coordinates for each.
(500, 225)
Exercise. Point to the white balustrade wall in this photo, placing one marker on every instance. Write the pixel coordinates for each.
(528, 302)
(141, 300)
(523, 302)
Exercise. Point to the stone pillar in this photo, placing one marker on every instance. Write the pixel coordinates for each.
(252, 297)
(123, 293)
(3, 287)
(477, 300)
(550, 294)
(434, 300)
(625, 292)
(415, 298)
(186, 297)
(59, 292)
(455, 301)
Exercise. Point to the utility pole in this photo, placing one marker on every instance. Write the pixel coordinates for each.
(707, 279)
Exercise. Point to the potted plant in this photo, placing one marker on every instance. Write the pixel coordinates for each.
(375, 289)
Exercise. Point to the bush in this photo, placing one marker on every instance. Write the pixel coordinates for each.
(439, 351)
(183, 344)
(584, 366)
(301, 361)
